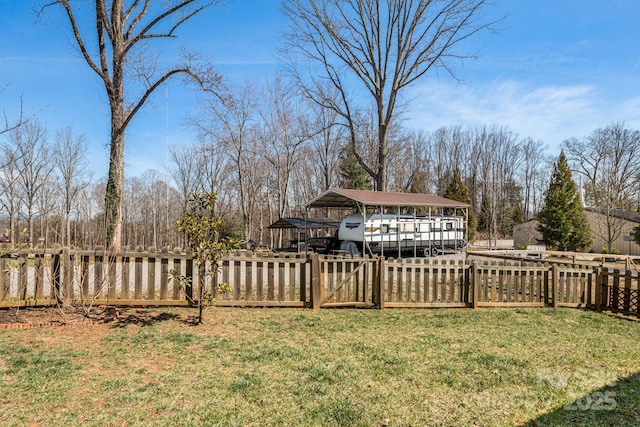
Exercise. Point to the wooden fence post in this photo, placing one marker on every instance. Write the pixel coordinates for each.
(627, 290)
(67, 265)
(151, 277)
(112, 268)
(138, 278)
(375, 299)
(598, 284)
(23, 277)
(465, 294)
(303, 282)
(555, 284)
(615, 298)
(98, 276)
(545, 285)
(164, 278)
(604, 289)
(475, 281)
(57, 277)
(188, 288)
(380, 282)
(317, 293)
(175, 280)
(125, 277)
(39, 279)
(84, 279)
(5, 282)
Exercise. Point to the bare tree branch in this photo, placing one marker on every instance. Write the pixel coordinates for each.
(383, 45)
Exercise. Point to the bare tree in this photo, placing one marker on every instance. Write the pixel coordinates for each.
(499, 158)
(32, 156)
(327, 145)
(69, 156)
(122, 30)
(532, 175)
(451, 149)
(285, 130)
(10, 188)
(135, 213)
(385, 46)
(217, 178)
(47, 206)
(154, 197)
(609, 160)
(89, 225)
(12, 124)
(186, 171)
(308, 178)
(230, 121)
(413, 173)
(90, 210)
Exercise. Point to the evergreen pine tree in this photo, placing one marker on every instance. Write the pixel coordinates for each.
(419, 183)
(484, 217)
(511, 206)
(352, 175)
(456, 190)
(562, 222)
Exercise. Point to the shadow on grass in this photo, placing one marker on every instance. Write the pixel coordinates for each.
(143, 318)
(622, 316)
(616, 404)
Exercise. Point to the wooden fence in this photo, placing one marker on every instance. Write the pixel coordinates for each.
(309, 280)
(96, 277)
(619, 292)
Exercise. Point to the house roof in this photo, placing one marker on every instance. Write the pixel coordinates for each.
(617, 213)
(620, 214)
(308, 223)
(344, 198)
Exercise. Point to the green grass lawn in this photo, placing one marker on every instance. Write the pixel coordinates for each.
(261, 367)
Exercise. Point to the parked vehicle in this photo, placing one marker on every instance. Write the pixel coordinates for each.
(393, 234)
(323, 245)
(5, 238)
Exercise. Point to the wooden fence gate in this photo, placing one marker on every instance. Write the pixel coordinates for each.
(344, 282)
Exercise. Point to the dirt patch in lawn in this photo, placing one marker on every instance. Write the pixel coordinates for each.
(55, 316)
(17, 318)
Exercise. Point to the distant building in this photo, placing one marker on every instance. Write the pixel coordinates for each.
(525, 233)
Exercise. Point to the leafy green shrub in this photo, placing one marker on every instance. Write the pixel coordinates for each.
(202, 228)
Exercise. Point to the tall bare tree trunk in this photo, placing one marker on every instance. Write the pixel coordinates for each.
(115, 181)
(114, 194)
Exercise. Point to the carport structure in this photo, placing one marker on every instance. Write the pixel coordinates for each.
(419, 207)
(302, 227)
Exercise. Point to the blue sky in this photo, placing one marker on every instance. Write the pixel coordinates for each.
(553, 70)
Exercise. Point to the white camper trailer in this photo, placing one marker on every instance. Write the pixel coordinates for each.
(401, 234)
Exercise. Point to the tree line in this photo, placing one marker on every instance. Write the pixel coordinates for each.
(266, 152)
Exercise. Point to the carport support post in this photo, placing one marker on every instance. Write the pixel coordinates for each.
(317, 287)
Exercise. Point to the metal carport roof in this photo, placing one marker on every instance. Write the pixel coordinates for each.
(308, 223)
(344, 198)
